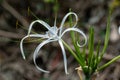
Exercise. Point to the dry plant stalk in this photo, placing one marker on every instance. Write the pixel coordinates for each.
(82, 76)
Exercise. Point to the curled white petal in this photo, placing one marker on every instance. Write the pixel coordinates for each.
(79, 31)
(32, 35)
(64, 19)
(119, 30)
(36, 53)
(64, 56)
(39, 21)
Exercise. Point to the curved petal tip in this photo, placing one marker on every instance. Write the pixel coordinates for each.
(119, 30)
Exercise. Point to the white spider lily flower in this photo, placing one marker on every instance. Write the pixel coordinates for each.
(53, 34)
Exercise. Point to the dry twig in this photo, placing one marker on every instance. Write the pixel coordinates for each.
(10, 34)
(14, 13)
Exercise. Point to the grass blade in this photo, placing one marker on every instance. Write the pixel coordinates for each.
(91, 46)
(106, 36)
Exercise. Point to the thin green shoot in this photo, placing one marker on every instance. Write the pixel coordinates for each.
(106, 36)
(108, 63)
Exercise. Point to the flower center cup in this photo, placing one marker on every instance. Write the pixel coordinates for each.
(53, 33)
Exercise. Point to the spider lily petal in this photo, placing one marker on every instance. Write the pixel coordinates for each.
(32, 35)
(41, 22)
(36, 53)
(64, 19)
(77, 30)
(119, 30)
(64, 56)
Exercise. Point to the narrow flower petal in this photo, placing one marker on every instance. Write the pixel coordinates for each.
(64, 56)
(77, 30)
(41, 22)
(32, 35)
(36, 53)
(64, 19)
(119, 30)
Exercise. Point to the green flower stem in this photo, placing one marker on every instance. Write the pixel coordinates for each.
(87, 78)
(71, 51)
(110, 62)
(74, 41)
